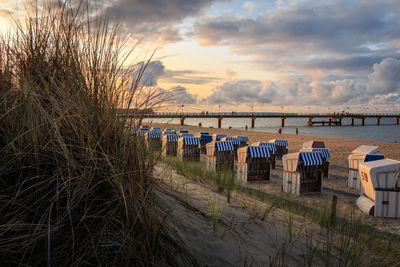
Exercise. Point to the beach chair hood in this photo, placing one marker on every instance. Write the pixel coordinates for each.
(364, 149)
(314, 144)
(378, 175)
(143, 131)
(242, 138)
(279, 142)
(291, 161)
(171, 137)
(270, 145)
(253, 152)
(217, 137)
(205, 137)
(154, 134)
(234, 140)
(323, 151)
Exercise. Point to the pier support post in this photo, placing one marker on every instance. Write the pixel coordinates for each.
(253, 122)
(330, 121)
(352, 121)
(309, 123)
(397, 120)
(219, 122)
(362, 121)
(182, 121)
(339, 121)
(282, 122)
(378, 120)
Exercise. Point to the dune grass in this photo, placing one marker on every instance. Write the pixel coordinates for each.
(75, 188)
(346, 241)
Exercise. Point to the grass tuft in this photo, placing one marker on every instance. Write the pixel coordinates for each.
(75, 188)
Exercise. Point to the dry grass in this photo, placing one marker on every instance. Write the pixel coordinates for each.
(75, 189)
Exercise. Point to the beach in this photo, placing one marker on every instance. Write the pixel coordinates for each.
(335, 184)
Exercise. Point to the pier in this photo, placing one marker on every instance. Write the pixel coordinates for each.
(334, 119)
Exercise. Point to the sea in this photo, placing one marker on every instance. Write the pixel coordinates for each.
(387, 131)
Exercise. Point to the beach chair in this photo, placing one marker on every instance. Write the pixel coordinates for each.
(153, 140)
(169, 145)
(220, 156)
(204, 140)
(218, 137)
(302, 173)
(325, 154)
(189, 148)
(236, 144)
(253, 163)
(381, 197)
(281, 147)
(361, 154)
(272, 149)
(243, 140)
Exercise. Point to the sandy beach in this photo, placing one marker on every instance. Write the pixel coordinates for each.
(336, 184)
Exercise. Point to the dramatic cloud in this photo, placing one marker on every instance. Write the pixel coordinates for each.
(154, 71)
(157, 20)
(345, 51)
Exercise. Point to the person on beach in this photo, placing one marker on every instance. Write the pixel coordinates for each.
(280, 130)
(297, 130)
(246, 127)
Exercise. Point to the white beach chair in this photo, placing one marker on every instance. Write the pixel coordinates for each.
(382, 196)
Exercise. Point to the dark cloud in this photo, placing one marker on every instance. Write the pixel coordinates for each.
(157, 20)
(152, 72)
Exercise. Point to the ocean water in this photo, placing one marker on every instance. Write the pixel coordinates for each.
(387, 131)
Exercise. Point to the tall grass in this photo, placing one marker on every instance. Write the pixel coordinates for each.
(75, 189)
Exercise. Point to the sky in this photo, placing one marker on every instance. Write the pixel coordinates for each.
(292, 56)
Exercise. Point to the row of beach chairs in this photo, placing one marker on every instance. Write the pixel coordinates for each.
(369, 172)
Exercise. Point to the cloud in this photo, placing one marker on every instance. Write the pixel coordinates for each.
(188, 77)
(183, 96)
(240, 91)
(152, 73)
(386, 77)
(329, 52)
(157, 20)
